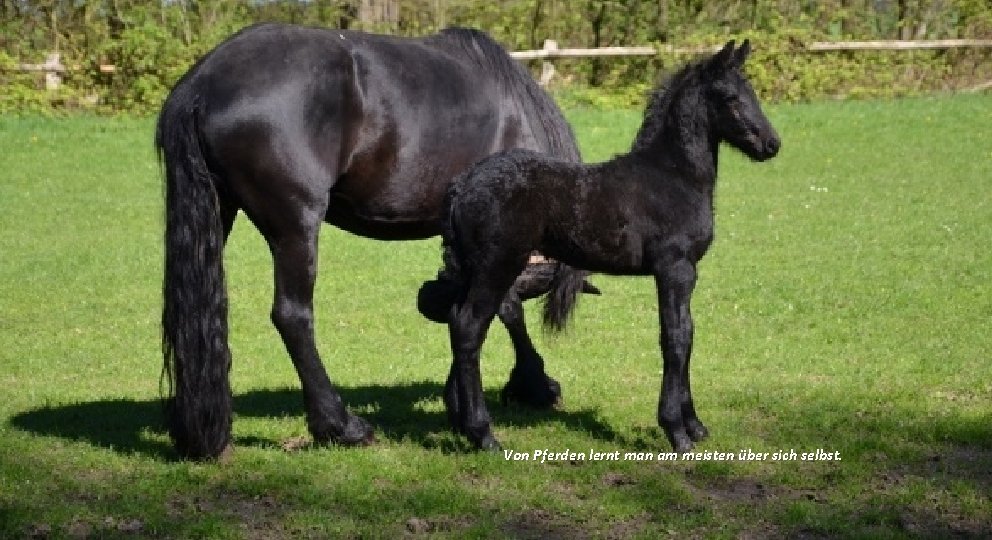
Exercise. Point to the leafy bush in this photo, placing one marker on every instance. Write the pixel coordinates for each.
(151, 43)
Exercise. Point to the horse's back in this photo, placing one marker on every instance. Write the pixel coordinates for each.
(519, 193)
(370, 128)
(271, 71)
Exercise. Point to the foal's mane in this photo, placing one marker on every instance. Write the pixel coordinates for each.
(661, 100)
(490, 57)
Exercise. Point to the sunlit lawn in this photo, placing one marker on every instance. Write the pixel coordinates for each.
(844, 306)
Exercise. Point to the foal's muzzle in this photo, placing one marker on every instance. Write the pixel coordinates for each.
(764, 144)
(771, 147)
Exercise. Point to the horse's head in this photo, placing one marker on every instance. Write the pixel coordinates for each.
(737, 115)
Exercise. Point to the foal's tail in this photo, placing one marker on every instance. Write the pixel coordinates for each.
(566, 285)
(194, 318)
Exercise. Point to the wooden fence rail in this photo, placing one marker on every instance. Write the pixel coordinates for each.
(896, 45)
(551, 50)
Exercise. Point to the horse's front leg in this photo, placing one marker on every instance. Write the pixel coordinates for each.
(528, 384)
(676, 416)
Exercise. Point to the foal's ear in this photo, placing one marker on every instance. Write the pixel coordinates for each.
(722, 59)
(740, 55)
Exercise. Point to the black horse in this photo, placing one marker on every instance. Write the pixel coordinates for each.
(649, 212)
(296, 126)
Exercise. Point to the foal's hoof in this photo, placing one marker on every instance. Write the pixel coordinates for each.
(532, 393)
(358, 432)
(680, 441)
(697, 432)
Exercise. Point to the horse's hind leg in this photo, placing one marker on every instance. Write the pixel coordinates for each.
(228, 213)
(295, 256)
(528, 383)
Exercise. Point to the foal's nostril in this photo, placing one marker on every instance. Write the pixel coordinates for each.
(772, 145)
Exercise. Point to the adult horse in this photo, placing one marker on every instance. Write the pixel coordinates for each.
(296, 126)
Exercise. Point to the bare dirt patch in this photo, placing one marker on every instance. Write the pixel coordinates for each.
(732, 489)
(615, 479)
(542, 525)
(627, 528)
(258, 516)
(417, 526)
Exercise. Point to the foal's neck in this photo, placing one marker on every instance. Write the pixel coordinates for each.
(684, 141)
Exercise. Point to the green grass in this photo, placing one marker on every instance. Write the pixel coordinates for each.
(845, 305)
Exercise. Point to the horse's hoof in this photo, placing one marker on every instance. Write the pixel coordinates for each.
(697, 432)
(555, 390)
(489, 444)
(226, 455)
(530, 394)
(358, 432)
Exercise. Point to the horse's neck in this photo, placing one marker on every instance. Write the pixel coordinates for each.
(685, 142)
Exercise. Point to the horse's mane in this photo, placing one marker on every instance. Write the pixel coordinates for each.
(517, 82)
(661, 100)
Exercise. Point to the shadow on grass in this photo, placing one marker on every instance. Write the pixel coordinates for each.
(136, 426)
(915, 477)
(890, 455)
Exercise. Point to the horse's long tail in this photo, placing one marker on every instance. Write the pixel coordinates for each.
(194, 318)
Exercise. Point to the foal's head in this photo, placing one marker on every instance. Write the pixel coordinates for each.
(734, 108)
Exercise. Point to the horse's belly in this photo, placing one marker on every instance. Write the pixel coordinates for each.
(608, 250)
(389, 193)
(386, 212)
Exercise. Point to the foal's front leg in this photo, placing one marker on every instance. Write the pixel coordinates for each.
(676, 416)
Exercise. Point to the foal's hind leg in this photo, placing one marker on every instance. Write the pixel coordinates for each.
(528, 383)
(295, 255)
(463, 395)
(693, 425)
(467, 327)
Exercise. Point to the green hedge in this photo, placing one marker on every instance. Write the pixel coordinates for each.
(151, 43)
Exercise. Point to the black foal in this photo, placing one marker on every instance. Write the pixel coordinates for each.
(649, 212)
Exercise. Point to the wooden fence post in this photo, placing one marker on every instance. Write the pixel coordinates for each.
(547, 67)
(53, 71)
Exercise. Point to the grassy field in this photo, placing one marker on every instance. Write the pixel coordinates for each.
(844, 306)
